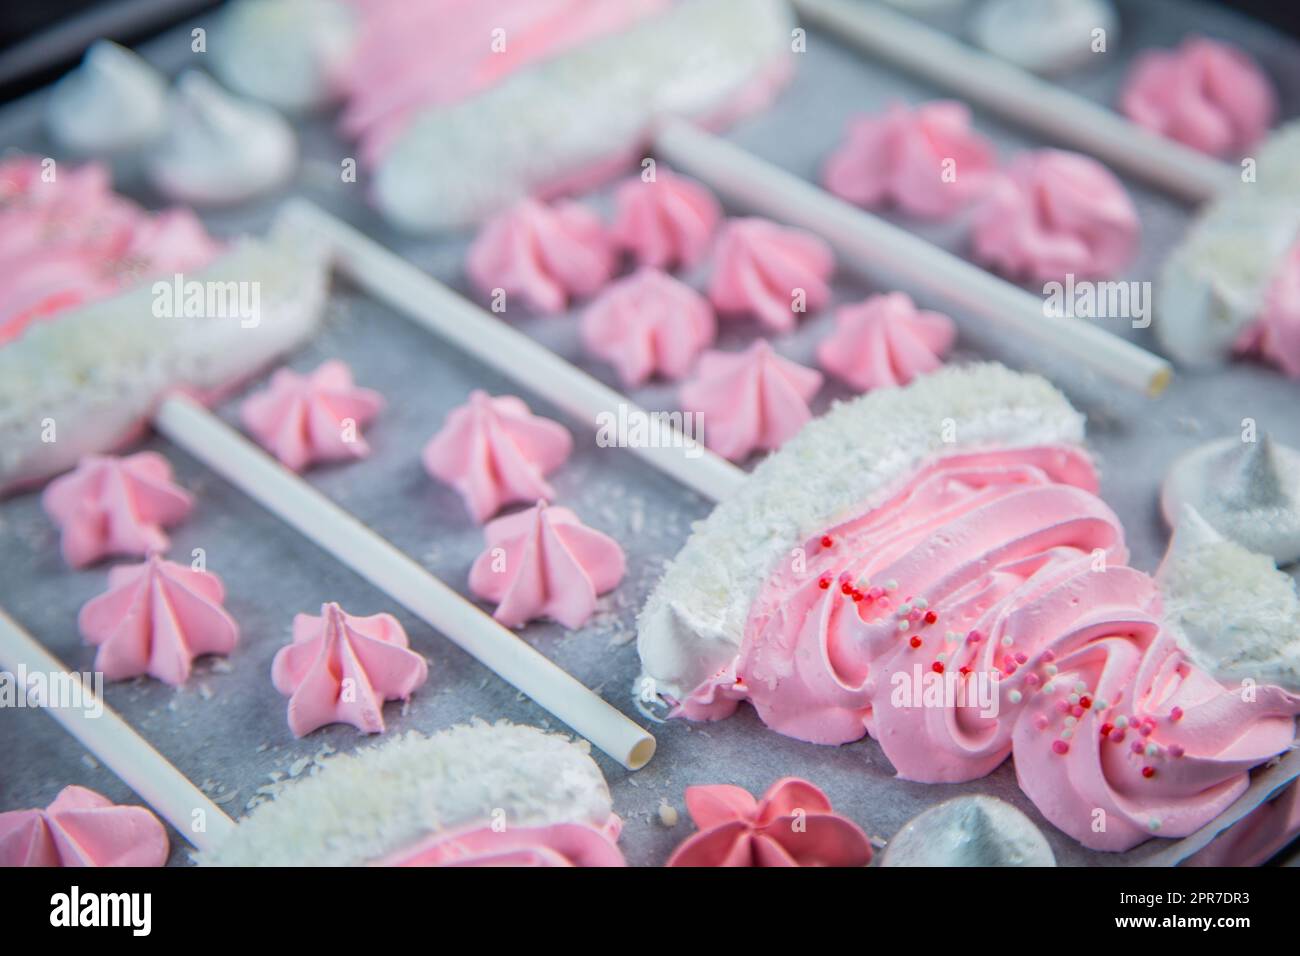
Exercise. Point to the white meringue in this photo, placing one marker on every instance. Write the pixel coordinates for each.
(1213, 283)
(1249, 492)
(218, 148)
(969, 831)
(113, 102)
(1236, 616)
(288, 53)
(1045, 36)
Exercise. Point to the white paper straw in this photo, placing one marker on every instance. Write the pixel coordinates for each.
(867, 242)
(420, 297)
(284, 494)
(1019, 96)
(106, 735)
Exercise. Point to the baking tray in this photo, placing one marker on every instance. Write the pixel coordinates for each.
(226, 729)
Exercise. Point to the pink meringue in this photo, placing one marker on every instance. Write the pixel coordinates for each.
(559, 844)
(82, 828)
(545, 563)
(1056, 213)
(901, 158)
(494, 451)
(1275, 333)
(156, 618)
(1208, 95)
(759, 266)
(340, 669)
(666, 222)
(546, 254)
(737, 830)
(750, 400)
(303, 419)
(885, 341)
(110, 505)
(71, 240)
(648, 323)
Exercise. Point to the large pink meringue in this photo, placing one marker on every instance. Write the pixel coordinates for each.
(666, 222)
(1206, 94)
(303, 419)
(545, 563)
(82, 828)
(750, 400)
(648, 323)
(981, 573)
(926, 161)
(793, 825)
(110, 505)
(1275, 333)
(559, 844)
(156, 618)
(546, 254)
(494, 451)
(1056, 213)
(340, 669)
(411, 56)
(71, 240)
(760, 267)
(884, 341)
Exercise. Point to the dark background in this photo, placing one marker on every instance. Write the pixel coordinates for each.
(21, 20)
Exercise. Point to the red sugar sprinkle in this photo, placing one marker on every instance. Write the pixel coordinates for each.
(827, 541)
(857, 595)
(824, 584)
(931, 617)
(1148, 772)
(964, 670)
(937, 667)
(846, 588)
(915, 641)
(1085, 702)
(1106, 729)
(1060, 747)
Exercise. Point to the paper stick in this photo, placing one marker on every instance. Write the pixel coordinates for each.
(1020, 96)
(868, 242)
(420, 297)
(106, 735)
(284, 494)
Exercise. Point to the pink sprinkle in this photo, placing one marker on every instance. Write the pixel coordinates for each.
(1032, 679)
(1048, 657)
(1176, 714)
(1137, 747)
(1117, 736)
(1041, 721)
(1021, 657)
(974, 637)
(1076, 711)
(1145, 730)
(1060, 747)
(1175, 750)
(1063, 706)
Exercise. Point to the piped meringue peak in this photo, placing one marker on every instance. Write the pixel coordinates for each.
(885, 341)
(318, 417)
(495, 452)
(750, 401)
(1055, 213)
(218, 148)
(974, 830)
(665, 222)
(926, 161)
(545, 254)
(113, 102)
(772, 271)
(1206, 94)
(737, 830)
(155, 619)
(82, 828)
(1247, 491)
(647, 324)
(340, 669)
(545, 563)
(111, 506)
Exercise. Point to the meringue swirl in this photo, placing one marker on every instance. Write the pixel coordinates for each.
(985, 610)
